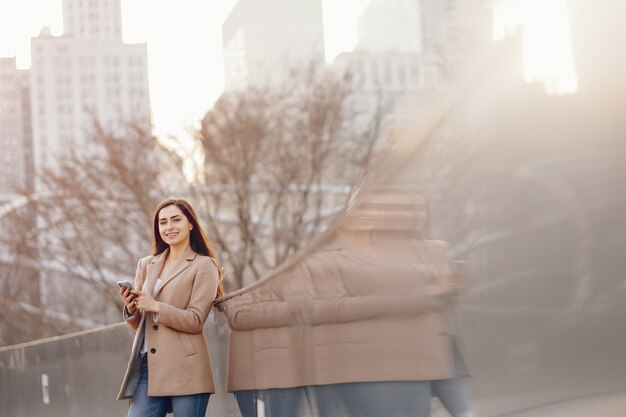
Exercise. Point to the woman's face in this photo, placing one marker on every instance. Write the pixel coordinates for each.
(174, 227)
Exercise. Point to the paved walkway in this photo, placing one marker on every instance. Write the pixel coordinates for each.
(604, 405)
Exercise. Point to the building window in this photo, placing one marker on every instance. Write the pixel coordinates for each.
(415, 70)
(388, 75)
(374, 69)
(401, 74)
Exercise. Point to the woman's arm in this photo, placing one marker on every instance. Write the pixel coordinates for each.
(394, 301)
(450, 284)
(203, 291)
(249, 315)
(133, 319)
(262, 314)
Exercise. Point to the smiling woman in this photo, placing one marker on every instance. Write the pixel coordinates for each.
(169, 367)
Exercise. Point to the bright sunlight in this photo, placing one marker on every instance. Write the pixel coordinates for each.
(546, 41)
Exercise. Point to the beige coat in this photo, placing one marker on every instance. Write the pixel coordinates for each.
(178, 356)
(344, 314)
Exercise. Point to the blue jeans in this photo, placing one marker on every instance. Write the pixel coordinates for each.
(374, 399)
(453, 395)
(359, 399)
(277, 402)
(392, 398)
(183, 405)
(363, 399)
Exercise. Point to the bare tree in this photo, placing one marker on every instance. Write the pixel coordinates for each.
(86, 227)
(280, 160)
(278, 164)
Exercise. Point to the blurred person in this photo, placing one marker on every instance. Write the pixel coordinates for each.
(357, 326)
(169, 367)
(389, 217)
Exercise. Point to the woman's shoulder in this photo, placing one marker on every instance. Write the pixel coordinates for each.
(205, 259)
(146, 260)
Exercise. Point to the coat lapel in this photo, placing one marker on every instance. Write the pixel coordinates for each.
(154, 270)
(182, 264)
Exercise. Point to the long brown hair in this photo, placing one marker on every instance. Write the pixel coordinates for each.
(197, 238)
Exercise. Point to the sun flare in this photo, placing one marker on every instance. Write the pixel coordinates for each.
(546, 40)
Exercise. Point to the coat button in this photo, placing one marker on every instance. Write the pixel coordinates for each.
(153, 350)
(155, 327)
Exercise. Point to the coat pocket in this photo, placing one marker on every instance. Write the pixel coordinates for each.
(185, 341)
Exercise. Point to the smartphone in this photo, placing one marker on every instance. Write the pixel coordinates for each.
(125, 284)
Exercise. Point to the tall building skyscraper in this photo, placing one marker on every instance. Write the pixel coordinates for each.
(84, 76)
(406, 26)
(391, 25)
(15, 129)
(389, 56)
(93, 19)
(263, 38)
(396, 55)
(439, 34)
(425, 29)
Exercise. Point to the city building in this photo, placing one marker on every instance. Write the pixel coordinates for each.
(382, 82)
(440, 37)
(391, 73)
(93, 19)
(401, 50)
(16, 147)
(388, 62)
(391, 25)
(262, 39)
(84, 76)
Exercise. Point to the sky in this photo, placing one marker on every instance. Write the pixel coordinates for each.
(184, 47)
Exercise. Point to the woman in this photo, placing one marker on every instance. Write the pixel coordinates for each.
(169, 367)
(356, 327)
(451, 391)
(383, 236)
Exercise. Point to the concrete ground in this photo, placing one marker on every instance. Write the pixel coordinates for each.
(604, 405)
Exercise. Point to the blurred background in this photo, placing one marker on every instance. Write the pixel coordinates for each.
(270, 116)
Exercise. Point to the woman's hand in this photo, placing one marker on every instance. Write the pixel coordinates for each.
(444, 288)
(128, 299)
(145, 302)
